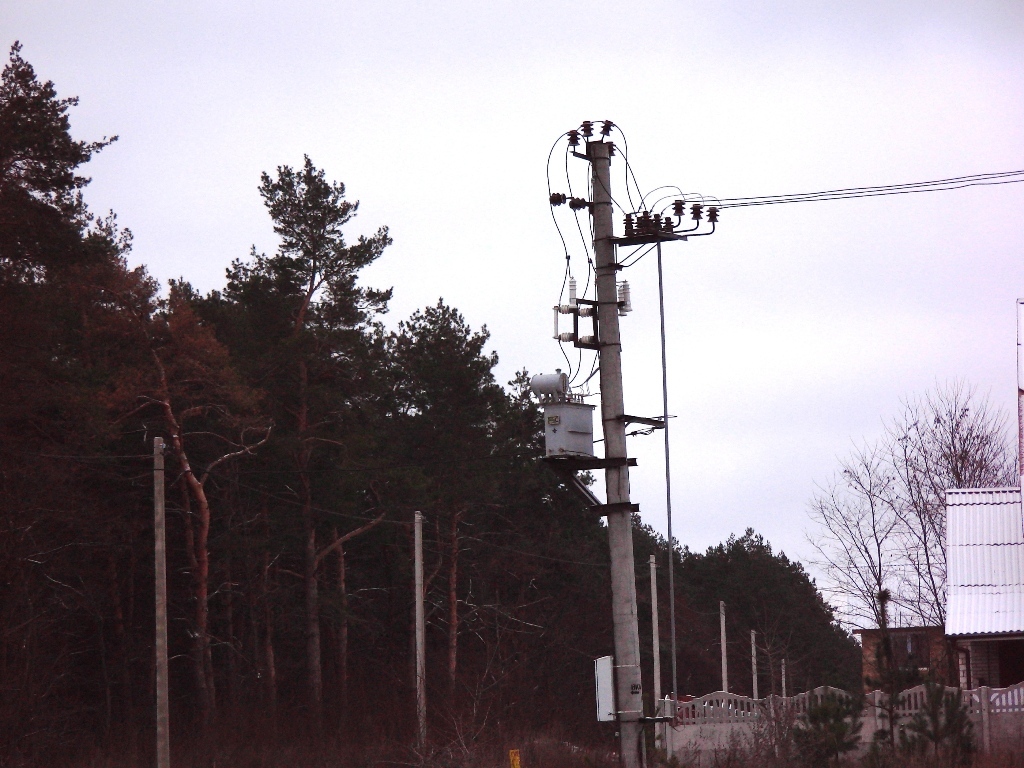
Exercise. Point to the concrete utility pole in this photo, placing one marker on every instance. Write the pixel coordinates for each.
(783, 678)
(421, 652)
(753, 659)
(163, 722)
(628, 687)
(725, 661)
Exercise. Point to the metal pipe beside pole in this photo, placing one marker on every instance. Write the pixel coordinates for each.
(668, 488)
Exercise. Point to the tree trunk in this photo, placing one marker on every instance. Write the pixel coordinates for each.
(269, 667)
(314, 667)
(453, 601)
(121, 639)
(229, 626)
(202, 593)
(342, 629)
(198, 663)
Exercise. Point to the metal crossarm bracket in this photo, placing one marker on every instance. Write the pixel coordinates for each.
(580, 463)
(650, 237)
(622, 506)
(596, 343)
(651, 421)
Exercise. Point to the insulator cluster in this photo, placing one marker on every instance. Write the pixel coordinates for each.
(646, 223)
(576, 203)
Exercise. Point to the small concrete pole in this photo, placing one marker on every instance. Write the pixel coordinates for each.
(656, 640)
(656, 653)
(985, 696)
(163, 722)
(783, 678)
(421, 655)
(753, 659)
(725, 662)
(1020, 387)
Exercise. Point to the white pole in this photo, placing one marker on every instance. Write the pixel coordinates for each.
(1020, 387)
(421, 656)
(783, 678)
(753, 659)
(654, 630)
(725, 663)
(656, 653)
(163, 726)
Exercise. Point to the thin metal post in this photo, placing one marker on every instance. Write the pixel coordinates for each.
(753, 660)
(783, 678)
(668, 488)
(625, 630)
(163, 723)
(725, 661)
(421, 655)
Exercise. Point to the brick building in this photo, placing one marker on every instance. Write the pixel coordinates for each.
(920, 650)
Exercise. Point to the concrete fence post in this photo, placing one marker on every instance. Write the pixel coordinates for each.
(985, 700)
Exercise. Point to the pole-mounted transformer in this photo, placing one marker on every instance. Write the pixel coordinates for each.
(568, 421)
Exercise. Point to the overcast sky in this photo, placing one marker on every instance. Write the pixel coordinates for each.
(793, 331)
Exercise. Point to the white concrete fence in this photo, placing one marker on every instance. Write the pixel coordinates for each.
(715, 721)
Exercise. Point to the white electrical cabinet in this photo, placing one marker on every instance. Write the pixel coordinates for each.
(604, 688)
(569, 429)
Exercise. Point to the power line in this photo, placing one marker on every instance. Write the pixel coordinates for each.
(937, 185)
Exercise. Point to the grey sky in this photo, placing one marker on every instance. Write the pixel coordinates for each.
(793, 330)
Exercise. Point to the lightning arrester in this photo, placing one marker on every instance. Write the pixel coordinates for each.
(625, 303)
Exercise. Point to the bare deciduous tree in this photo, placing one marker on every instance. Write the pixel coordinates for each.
(858, 539)
(882, 522)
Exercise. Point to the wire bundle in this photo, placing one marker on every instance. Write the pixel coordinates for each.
(939, 185)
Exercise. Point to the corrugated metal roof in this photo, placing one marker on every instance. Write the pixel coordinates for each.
(985, 560)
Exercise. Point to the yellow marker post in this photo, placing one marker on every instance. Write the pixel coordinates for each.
(513, 758)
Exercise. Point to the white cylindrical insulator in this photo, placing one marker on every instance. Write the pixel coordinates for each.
(566, 309)
(625, 302)
(588, 340)
(586, 311)
(572, 291)
(570, 336)
(550, 384)
(556, 323)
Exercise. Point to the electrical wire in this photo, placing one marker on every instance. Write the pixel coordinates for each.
(565, 247)
(846, 193)
(629, 168)
(647, 250)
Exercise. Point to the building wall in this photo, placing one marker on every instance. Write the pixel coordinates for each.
(920, 648)
(984, 661)
(995, 663)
